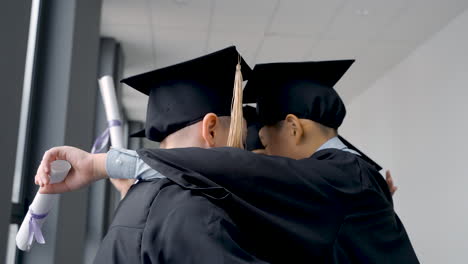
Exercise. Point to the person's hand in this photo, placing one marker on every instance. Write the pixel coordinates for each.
(85, 169)
(391, 185)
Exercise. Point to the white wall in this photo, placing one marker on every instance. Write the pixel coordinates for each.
(414, 121)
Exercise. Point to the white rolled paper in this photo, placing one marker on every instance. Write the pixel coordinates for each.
(42, 204)
(107, 88)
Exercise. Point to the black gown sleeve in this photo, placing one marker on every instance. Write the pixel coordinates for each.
(184, 227)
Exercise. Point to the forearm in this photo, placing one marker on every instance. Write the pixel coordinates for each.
(99, 166)
(100, 172)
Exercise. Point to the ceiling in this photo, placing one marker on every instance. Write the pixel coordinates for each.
(377, 33)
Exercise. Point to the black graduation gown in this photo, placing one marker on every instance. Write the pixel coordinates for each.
(160, 222)
(330, 208)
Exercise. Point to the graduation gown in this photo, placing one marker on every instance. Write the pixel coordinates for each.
(158, 221)
(330, 208)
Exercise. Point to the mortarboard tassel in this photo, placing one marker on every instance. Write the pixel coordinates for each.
(236, 131)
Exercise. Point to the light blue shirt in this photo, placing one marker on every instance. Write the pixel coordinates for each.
(336, 143)
(126, 164)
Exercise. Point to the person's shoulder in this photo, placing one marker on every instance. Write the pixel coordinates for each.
(344, 160)
(334, 154)
(339, 160)
(337, 167)
(352, 176)
(197, 205)
(186, 210)
(174, 199)
(133, 209)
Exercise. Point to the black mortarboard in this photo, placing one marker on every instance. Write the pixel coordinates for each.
(304, 89)
(253, 141)
(182, 94)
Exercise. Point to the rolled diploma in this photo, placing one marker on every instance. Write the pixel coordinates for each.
(42, 203)
(106, 86)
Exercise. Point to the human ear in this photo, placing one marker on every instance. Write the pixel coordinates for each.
(294, 127)
(209, 124)
(262, 136)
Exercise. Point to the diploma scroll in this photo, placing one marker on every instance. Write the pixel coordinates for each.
(114, 129)
(30, 229)
(107, 88)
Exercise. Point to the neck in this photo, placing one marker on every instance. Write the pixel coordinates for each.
(315, 136)
(178, 143)
(311, 147)
(322, 140)
(187, 137)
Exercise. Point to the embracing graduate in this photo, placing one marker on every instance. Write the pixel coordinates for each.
(326, 204)
(312, 199)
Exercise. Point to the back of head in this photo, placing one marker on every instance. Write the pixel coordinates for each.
(195, 135)
(297, 91)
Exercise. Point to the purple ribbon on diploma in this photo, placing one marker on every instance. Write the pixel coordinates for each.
(34, 228)
(101, 142)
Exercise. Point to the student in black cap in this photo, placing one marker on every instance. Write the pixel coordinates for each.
(302, 90)
(305, 90)
(254, 144)
(197, 103)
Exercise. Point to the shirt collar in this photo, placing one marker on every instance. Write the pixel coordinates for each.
(336, 143)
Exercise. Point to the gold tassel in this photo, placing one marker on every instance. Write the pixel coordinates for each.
(236, 131)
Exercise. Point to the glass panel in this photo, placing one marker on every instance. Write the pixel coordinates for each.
(25, 101)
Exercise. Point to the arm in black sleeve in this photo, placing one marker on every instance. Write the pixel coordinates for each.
(266, 190)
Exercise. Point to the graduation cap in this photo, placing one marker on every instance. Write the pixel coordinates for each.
(181, 95)
(253, 141)
(304, 89)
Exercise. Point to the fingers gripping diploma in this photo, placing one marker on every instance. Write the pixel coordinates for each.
(62, 169)
(86, 168)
